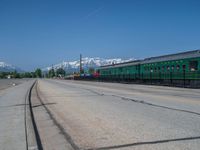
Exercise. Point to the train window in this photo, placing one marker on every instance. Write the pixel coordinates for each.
(158, 68)
(193, 65)
(155, 69)
(151, 70)
(168, 68)
(177, 67)
(163, 68)
(172, 67)
(184, 66)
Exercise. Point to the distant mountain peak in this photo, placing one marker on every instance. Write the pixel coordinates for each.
(5, 67)
(87, 62)
(3, 64)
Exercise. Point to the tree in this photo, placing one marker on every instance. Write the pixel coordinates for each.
(38, 73)
(82, 71)
(26, 75)
(16, 75)
(3, 74)
(60, 72)
(51, 73)
(33, 74)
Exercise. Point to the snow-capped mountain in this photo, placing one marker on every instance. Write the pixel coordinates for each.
(73, 66)
(4, 67)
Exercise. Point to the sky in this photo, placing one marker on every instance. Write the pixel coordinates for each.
(39, 33)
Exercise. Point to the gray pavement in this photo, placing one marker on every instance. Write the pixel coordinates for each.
(12, 114)
(6, 83)
(93, 115)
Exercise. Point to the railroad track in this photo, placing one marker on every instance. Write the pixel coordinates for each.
(33, 141)
(55, 117)
(61, 129)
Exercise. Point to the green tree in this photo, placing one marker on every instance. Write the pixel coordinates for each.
(16, 74)
(28, 75)
(1, 75)
(60, 72)
(51, 73)
(31, 74)
(38, 73)
(82, 71)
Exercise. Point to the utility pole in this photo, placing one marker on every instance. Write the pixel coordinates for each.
(80, 63)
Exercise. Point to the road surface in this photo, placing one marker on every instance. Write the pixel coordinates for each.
(93, 115)
(15, 124)
(6, 83)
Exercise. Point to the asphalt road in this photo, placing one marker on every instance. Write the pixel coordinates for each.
(93, 115)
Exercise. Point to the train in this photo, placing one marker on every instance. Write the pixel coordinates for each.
(180, 69)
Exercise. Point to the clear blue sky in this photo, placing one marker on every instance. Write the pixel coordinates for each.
(38, 33)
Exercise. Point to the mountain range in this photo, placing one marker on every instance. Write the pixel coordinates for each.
(70, 66)
(73, 66)
(4, 67)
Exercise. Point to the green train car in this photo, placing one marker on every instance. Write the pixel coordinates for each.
(177, 69)
(120, 71)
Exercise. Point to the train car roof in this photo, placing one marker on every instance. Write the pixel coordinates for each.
(183, 55)
(129, 63)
